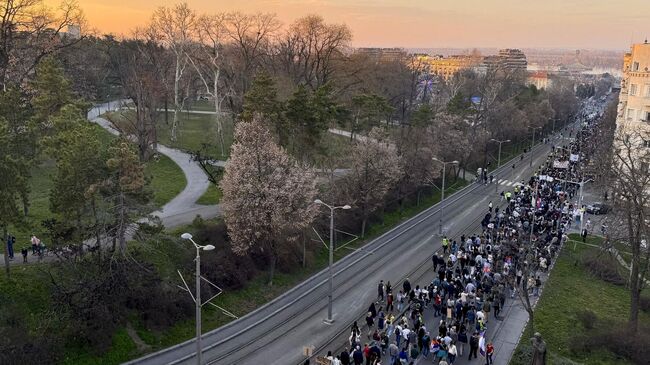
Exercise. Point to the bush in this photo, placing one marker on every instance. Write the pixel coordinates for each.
(587, 318)
(645, 304)
(617, 339)
(222, 266)
(603, 267)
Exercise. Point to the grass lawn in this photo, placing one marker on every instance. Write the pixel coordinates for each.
(167, 179)
(211, 196)
(570, 290)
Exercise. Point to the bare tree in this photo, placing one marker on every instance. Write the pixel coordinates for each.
(375, 168)
(173, 27)
(250, 40)
(631, 183)
(29, 31)
(309, 48)
(206, 59)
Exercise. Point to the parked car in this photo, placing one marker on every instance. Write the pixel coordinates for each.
(598, 208)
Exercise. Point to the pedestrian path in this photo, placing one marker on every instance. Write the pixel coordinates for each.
(510, 183)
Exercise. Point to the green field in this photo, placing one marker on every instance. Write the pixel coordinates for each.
(569, 291)
(167, 179)
(211, 196)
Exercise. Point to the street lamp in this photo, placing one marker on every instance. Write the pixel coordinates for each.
(197, 298)
(329, 319)
(496, 188)
(442, 197)
(532, 144)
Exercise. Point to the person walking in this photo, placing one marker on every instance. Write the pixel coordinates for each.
(389, 302)
(380, 291)
(489, 352)
(473, 345)
(451, 353)
(445, 244)
(345, 357)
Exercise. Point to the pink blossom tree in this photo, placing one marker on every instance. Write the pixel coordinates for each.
(267, 196)
(375, 169)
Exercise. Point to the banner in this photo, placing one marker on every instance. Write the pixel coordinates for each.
(561, 164)
(574, 158)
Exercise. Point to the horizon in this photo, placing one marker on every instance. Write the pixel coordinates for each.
(554, 24)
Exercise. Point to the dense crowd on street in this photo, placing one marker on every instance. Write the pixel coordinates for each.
(446, 317)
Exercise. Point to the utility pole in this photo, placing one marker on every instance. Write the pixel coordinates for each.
(329, 319)
(442, 196)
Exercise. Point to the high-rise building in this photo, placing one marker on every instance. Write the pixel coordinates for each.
(634, 98)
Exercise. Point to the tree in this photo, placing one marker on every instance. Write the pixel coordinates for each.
(308, 116)
(13, 184)
(309, 48)
(126, 187)
(369, 111)
(251, 40)
(207, 61)
(81, 166)
(262, 100)
(173, 27)
(136, 71)
(267, 197)
(29, 32)
(374, 170)
(51, 91)
(631, 183)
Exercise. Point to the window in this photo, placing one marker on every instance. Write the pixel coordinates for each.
(646, 117)
(647, 91)
(635, 66)
(632, 89)
(646, 143)
(630, 114)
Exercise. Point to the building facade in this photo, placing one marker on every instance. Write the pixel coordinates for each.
(634, 98)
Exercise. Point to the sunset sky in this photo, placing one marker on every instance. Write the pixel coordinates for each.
(604, 24)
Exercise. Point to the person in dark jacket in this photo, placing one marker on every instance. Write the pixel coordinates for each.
(345, 357)
(357, 356)
(473, 345)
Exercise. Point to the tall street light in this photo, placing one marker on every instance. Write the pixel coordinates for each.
(442, 197)
(329, 319)
(532, 144)
(496, 186)
(197, 297)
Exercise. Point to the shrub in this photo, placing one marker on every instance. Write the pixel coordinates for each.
(603, 267)
(223, 267)
(587, 318)
(645, 304)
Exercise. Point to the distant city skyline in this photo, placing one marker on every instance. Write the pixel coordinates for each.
(592, 24)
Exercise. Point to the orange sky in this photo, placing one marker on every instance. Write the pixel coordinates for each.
(606, 24)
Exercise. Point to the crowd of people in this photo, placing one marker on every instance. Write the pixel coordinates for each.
(38, 248)
(475, 275)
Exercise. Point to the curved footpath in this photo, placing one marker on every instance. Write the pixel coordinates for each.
(182, 209)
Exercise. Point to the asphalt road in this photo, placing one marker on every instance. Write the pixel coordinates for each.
(277, 332)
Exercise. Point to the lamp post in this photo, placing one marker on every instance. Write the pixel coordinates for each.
(532, 144)
(329, 319)
(197, 296)
(442, 197)
(496, 186)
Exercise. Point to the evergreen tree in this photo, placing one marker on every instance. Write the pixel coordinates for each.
(261, 101)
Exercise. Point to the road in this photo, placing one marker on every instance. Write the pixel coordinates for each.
(276, 332)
